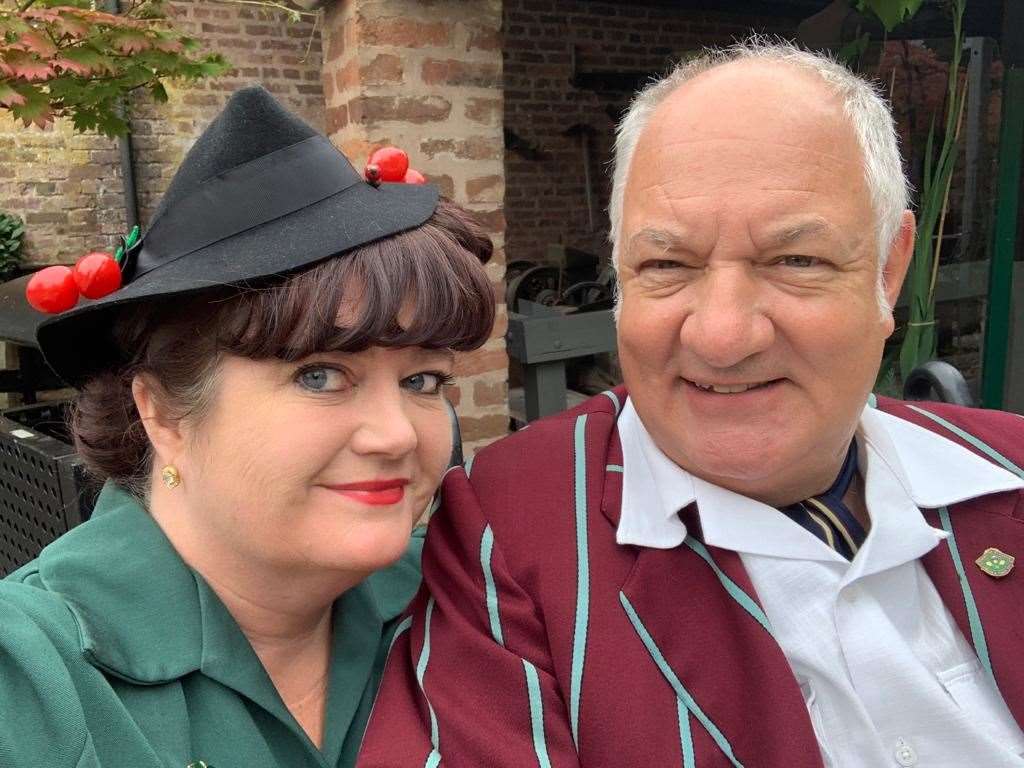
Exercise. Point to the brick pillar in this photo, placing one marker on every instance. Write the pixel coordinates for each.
(427, 77)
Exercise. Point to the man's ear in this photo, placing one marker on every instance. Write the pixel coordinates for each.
(164, 432)
(900, 253)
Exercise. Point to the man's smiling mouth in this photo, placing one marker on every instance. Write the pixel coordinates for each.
(730, 389)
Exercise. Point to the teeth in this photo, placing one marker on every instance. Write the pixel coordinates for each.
(730, 390)
(724, 390)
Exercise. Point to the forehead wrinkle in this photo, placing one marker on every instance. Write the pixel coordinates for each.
(661, 146)
(714, 221)
(658, 185)
(680, 238)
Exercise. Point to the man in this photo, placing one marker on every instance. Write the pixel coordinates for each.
(737, 559)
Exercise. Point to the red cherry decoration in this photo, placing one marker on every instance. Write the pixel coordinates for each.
(392, 161)
(412, 176)
(372, 174)
(52, 290)
(97, 274)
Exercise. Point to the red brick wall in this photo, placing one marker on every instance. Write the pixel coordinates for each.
(68, 187)
(545, 199)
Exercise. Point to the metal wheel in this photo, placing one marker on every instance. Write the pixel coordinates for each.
(538, 284)
(585, 292)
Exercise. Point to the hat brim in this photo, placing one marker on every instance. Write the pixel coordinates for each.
(78, 343)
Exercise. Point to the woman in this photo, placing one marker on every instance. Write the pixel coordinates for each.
(264, 397)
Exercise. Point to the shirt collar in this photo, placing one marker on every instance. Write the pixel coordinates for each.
(905, 466)
(935, 472)
(654, 488)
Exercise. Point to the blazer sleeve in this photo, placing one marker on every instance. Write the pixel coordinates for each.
(469, 681)
(42, 724)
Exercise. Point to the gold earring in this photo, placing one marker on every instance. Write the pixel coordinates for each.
(171, 476)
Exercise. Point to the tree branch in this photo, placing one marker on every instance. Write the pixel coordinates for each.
(270, 4)
(312, 34)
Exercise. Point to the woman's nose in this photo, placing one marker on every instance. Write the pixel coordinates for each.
(727, 324)
(385, 427)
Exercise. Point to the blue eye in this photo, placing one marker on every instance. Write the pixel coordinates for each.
(319, 378)
(427, 383)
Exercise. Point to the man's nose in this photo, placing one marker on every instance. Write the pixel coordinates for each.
(385, 428)
(727, 325)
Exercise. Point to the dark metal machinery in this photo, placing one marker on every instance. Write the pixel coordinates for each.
(559, 311)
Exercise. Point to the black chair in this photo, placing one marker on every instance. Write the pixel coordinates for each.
(936, 380)
(44, 490)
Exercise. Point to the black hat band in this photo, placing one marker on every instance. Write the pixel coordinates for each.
(257, 192)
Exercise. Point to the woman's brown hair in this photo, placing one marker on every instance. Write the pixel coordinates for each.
(432, 274)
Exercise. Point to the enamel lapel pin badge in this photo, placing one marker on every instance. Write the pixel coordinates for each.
(995, 563)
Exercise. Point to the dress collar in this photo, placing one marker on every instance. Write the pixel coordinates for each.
(905, 467)
(136, 603)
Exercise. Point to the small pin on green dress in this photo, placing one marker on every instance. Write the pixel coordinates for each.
(114, 654)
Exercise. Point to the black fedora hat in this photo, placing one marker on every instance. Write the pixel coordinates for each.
(260, 194)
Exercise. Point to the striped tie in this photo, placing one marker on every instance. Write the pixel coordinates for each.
(827, 517)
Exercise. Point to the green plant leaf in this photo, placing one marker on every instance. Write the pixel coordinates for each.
(158, 92)
(36, 109)
(9, 97)
(851, 53)
(891, 13)
(130, 41)
(12, 228)
(111, 124)
(89, 57)
(909, 351)
(920, 340)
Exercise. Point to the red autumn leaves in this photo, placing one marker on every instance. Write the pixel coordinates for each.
(71, 61)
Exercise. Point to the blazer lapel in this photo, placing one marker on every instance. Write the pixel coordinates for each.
(720, 660)
(986, 609)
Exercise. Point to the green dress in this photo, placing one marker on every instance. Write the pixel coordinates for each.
(114, 654)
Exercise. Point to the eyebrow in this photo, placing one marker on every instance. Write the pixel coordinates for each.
(778, 239)
(659, 237)
(791, 234)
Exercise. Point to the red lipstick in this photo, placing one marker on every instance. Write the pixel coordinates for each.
(378, 493)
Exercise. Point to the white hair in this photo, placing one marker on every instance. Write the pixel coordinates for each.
(863, 105)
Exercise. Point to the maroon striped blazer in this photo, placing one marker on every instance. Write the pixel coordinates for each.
(538, 640)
